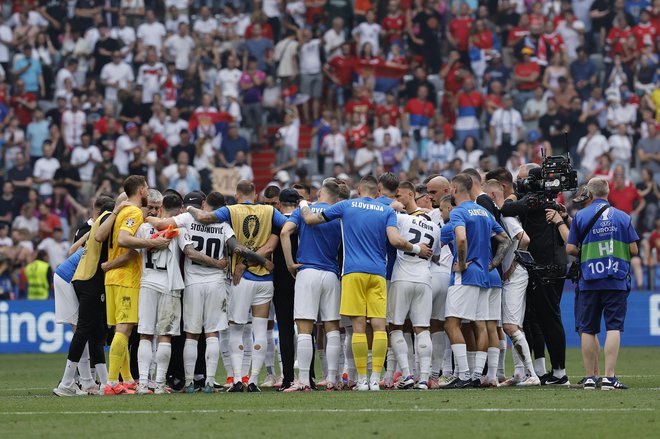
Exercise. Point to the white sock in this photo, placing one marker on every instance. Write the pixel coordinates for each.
(391, 363)
(153, 366)
(323, 361)
(539, 366)
(189, 359)
(558, 373)
(236, 350)
(212, 357)
(519, 366)
(144, 356)
(522, 350)
(447, 366)
(400, 348)
(69, 373)
(438, 342)
(84, 369)
(501, 362)
(305, 352)
(493, 356)
(351, 371)
(224, 352)
(470, 359)
(102, 372)
(333, 350)
(248, 342)
(270, 352)
(259, 330)
(424, 350)
(410, 353)
(480, 358)
(460, 356)
(163, 355)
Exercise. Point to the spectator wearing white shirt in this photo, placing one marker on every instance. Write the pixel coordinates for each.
(333, 147)
(125, 148)
(73, 123)
(368, 159)
(290, 132)
(116, 76)
(173, 126)
(44, 170)
(152, 32)
(311, 75)
(386, 127)
(179, 48)
(172, 172)
(296, 9)
(284, 55)
(66, 73)
(506, 128)
(6, 41)
(85, 157)
(175, 18)
(205, 24)
(440, 151)
(227, 82)
(56, 247)
(620, 146)
(591, 146)
(244, 169)
(333, 38)
(151, 77)
(617, 113)
(368, 32)
(126, 36)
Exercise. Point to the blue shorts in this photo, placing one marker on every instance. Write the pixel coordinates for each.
(591, 306)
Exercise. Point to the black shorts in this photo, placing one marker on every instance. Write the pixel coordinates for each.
(591, 306)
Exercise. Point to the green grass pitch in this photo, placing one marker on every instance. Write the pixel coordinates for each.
(28, 409)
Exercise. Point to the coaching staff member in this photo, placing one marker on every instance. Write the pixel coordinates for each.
(604, 239)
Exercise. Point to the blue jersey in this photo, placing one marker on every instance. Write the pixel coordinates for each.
(494, 278)
(391, 251)
(364, 223)
(605, 255)
(447, 236)
(67, 269)
(318, 246)
(479, 226)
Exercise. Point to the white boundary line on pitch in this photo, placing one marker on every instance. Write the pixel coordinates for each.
(411, 410)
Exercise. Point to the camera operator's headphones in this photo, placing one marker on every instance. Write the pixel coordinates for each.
(582, 197)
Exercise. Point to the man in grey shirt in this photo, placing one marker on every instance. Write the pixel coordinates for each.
(649, 152)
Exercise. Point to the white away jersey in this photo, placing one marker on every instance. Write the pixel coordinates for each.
(209, 239)
(161, 270)
(446, 258)
(408, 266)
(513, 227)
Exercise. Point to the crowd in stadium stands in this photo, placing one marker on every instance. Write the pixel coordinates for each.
(94, 90)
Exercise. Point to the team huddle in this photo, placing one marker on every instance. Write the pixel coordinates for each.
(396, 294)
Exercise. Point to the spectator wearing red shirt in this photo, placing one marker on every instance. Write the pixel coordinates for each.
(48, 221)
(357, 133)
(624, 196)
(645, 32)
(417, 114)
(526, 78)
(653, 244)
(361, 103)
(389, 107)
(23, 103)
(468, 104)
(394, 23)
(536, 17)
(458, 32)
(519, 32)
(553, 41)
(340, 71)
(453, 73)
(617, 36)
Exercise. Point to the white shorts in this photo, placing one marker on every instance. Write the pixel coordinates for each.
(158, 313)
(514, 297)
(462, 302)
(66, 302)
(494, 302)
(316, 295)
(410, 298)
(246, 294)
(439, 286)
(205, 306)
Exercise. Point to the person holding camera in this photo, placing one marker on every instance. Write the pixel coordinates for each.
(604, 240)
(543, 323)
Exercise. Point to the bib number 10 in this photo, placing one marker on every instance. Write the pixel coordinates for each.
(600, 268)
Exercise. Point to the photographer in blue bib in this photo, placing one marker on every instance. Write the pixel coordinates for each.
(604, 240)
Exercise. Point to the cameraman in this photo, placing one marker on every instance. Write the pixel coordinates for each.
(544, 294)
(608, 243)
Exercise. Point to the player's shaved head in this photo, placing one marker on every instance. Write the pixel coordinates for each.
(368, 186)
(331, 190)
(492, 185)
(245, 188)
(437, 188)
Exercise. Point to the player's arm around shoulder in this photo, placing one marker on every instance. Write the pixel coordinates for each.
(398, 242)
(129, 221)
(285, 238)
